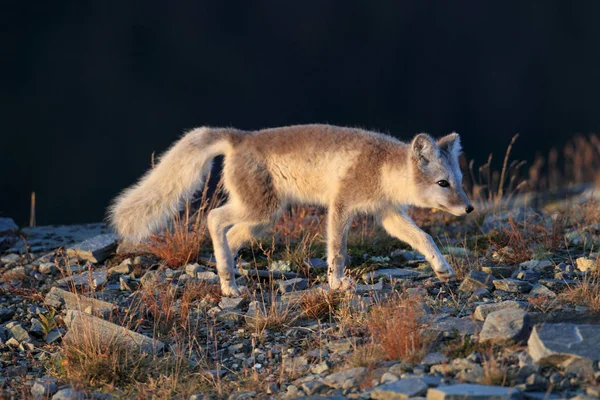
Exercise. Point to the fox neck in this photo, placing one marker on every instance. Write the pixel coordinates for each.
(398, 183)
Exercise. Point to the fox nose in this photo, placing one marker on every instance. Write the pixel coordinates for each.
(469, 209)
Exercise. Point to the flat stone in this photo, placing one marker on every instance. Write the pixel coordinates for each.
(557, 344)
(268, 275)
(193, 269)
(207, 276)
(95, 279)
(450, 326)
(10, 258)
(528, 275)
(434, 358)
(498, 271)
(17, 332)
(369, 288)
(504, 326)
(69, 394)
(122, 269)
(291, 285)
(316, 263)
(57, 298)
(313, 387)
(346, 379)
(47, 268)
(512, 285)
(390, 273)
(483, 310)
(44, 387)
(476, 280)
(585, 264)
(402, 389)
(95, 249)
(80, 323)
(7, 225)
(6, 314)
(540, 266)
(541, 290)
(232, 303)
(465, 391)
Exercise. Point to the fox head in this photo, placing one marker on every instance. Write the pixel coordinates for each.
(437, 175)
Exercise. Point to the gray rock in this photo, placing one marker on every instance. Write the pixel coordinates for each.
(208, 276)
(434, 358)
(95, 249)
(497, 271)
(122, 269)
(7, 225)
(267, 275)
(128, 284)
(541, 290)
(316, 263)
(504, 326)
(94, 279)
(539, 266)
(465, 391)
(402, 389)
(476, 280)
(17, 332)
(57, 298)
(255, 308)
(6, 314)
(390, 273)
(388, 377)
(242, 395)
(152, 278)
(346, 379)
(528, 275)
(585, 264)
(558, 344)
(232, 303)
(313, 387)
(69, 394)
(512, 285)
(483, 310)
(451, 326)
(45, 387)
(293, 284)
(10, 258)
(80, 323)
(48, 268)
(193, 269)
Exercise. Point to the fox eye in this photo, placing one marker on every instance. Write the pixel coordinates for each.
(443, 183)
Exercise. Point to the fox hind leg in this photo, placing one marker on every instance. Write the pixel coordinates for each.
(220, 220)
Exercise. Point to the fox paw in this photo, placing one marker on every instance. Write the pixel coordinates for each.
(233, 290)
(445, 273)
(341, 284)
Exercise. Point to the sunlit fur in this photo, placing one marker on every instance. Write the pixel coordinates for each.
(347, 170)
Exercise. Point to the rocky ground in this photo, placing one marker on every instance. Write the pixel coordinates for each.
(83, 316)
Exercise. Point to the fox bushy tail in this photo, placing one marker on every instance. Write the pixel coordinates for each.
(148, 205)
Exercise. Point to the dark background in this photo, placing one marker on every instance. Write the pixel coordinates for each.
(91, 89)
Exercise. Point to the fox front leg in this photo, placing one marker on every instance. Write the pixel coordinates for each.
(399, 225)
(338, 225)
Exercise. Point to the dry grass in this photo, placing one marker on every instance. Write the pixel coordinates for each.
(495, 373)
(396, 325)
(367, 356)
(586, 293)
(543, 304)
(319, 304)
(275, 317)
(188, 233)
(89, 358)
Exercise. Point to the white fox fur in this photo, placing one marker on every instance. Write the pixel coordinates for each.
(345, 169)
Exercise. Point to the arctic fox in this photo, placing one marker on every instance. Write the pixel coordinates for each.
(348, 170)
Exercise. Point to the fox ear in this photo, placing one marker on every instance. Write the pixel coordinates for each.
(451, 144)
(424, 147)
